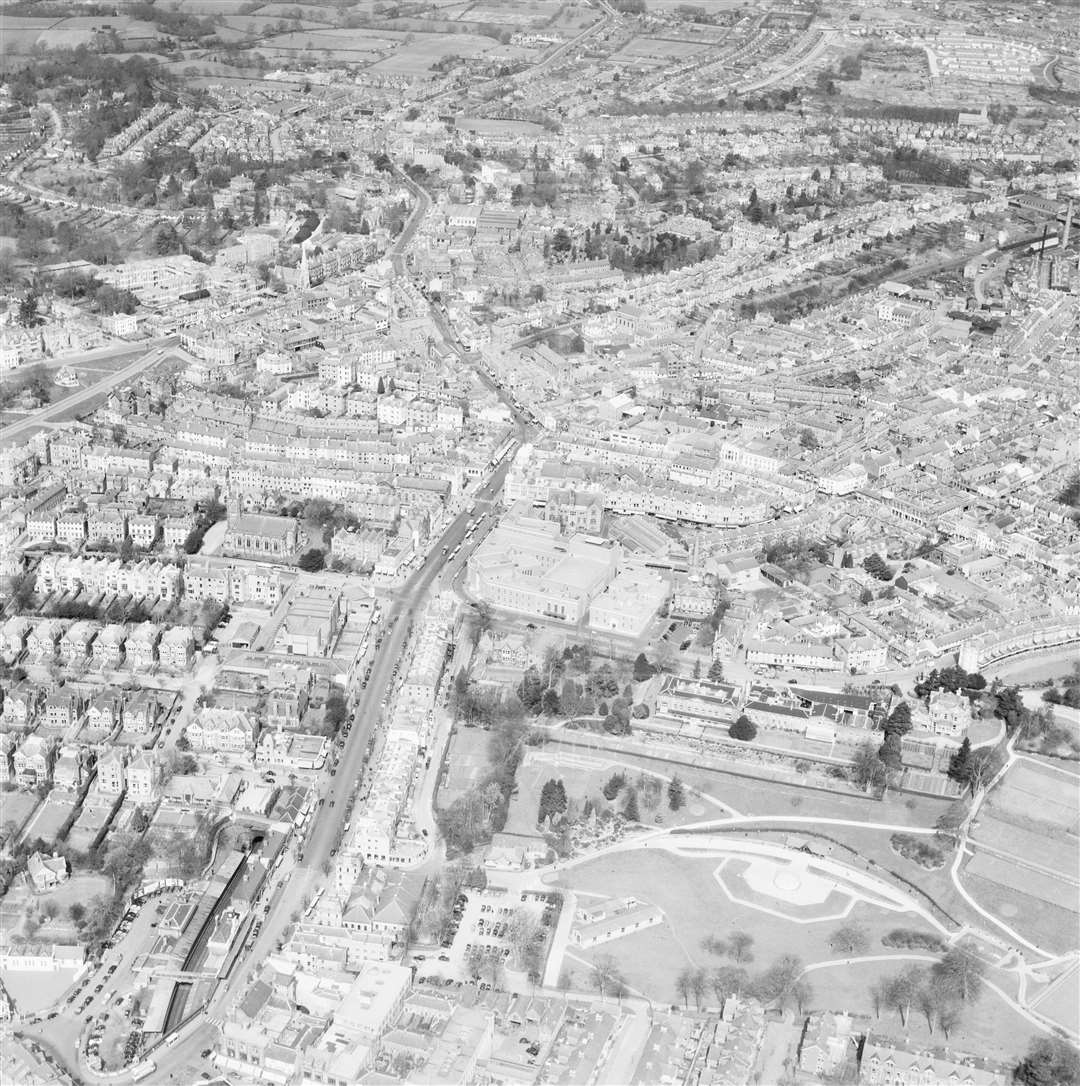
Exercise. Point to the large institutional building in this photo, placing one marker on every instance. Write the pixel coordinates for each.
(527, 566)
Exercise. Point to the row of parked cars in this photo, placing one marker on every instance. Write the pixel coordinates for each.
(455, 920)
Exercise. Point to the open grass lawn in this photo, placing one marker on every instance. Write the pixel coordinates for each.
(419, 54)
(1054, 849)
(989, 1027)
(467, 763)
(1061, 1000)
(254, 24)
(584, 778)
(661, 47)
(695, 906)
(1050, 927)
(307, 11)
(1009, 874)
(79, 888)
(16, 806)
(649, 961)
(758, 796)
(211, 7)
(48, 819)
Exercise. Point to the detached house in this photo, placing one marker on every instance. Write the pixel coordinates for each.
(108, 650)
(141, 646)
(950, 714)
(13, 636)
(62, 709)
(143, 775)
(104, 712)
(176, 649)
(33, 761)
(43, 640)
(20, 705)
(141, 712)
(67, 773)
(110, 773)
(46, 872)
(75, 643)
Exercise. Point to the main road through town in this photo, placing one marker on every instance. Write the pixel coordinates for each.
(327, 827)
(295, 885)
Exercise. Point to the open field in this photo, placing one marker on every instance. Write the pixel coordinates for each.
(307, 11)
(1048, 925)
(664, 48)
(695, 907)
(22, 33)
(418, 56)
(210, 7)
(259, 24)
(358, 47)
(710, 6)
(522, 13)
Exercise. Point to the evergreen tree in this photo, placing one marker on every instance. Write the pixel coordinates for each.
(531, 690)
(716, 672)
(960, 763)
(28, 310)
(630, 808)
(676, 795)
(890, 752)
(569, 698)
(643, 670)
(899, 721)
(552, 800)
(613, 785)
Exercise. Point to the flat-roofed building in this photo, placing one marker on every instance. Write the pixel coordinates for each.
(526, 566)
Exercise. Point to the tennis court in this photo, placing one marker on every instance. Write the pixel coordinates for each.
(1022, 879)
(1040, 793)
(1055, 850)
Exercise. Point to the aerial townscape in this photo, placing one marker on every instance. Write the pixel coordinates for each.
(539, 542)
